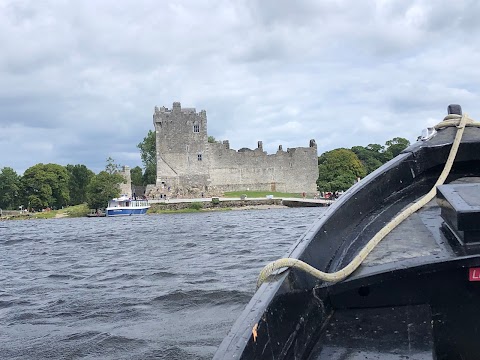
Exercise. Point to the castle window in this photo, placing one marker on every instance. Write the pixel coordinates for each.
(199, 157)
(196, 128)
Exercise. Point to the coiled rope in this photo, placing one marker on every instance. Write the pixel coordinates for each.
(451, 120)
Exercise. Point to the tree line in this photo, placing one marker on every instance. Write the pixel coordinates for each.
(339, 169)
(55, 186)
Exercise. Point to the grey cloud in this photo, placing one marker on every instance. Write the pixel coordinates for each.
(79, 80)
(298, 13)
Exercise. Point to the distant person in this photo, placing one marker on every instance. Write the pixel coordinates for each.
(303, 194)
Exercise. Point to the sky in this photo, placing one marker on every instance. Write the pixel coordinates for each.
(79, 80)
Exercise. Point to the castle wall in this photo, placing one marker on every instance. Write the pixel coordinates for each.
(188, 162)
(255, 169)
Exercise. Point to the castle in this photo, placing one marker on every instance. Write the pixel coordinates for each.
(189, 164)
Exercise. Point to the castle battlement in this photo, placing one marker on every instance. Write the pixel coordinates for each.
(187, 162)
(177, 108)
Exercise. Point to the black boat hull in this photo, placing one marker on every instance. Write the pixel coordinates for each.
(382, 311)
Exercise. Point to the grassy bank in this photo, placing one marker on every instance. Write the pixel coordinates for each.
(77, 210)
(70, 211)
(260, 194)
(167, 211)
(177, 208)
(224, 205)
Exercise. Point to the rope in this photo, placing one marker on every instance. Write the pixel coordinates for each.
(451, 120)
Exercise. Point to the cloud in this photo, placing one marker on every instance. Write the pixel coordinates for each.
(79, 80)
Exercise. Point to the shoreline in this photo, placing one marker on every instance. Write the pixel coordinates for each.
(173, 206)
(65, 215)
(194, 205)
(259, 207)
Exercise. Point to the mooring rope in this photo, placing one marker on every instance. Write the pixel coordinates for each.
(451, 120)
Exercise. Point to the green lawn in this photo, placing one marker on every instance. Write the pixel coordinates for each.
(260, 194)
(77, 210)
(69, 211)
(44, 215)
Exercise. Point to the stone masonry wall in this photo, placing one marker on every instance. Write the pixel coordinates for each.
(255, 169)
(126, 187)
(188, 164)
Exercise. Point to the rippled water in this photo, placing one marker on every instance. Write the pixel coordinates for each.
(159, 286)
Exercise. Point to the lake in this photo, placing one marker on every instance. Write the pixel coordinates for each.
(148, 287)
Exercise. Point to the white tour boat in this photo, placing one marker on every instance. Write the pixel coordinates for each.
(125, 206)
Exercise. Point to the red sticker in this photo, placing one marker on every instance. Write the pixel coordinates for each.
(474, 274)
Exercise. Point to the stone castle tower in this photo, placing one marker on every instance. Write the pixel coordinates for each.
(188, 163)
(126, 187)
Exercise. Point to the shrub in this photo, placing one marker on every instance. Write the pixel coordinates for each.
(195, 205)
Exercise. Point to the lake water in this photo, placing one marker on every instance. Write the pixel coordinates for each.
(148, 287)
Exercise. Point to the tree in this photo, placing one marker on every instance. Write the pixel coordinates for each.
(112, 167)
(396, 146)
(372, 156)
(9, 188)
(46, 185)
(370, 159)
(148, 153)
(34, 202)
(338, 170)
(150, 175)
(102, 188)
(136, 175)
(378, 152)
(211, 139)
(80, 176)
(375, 148)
